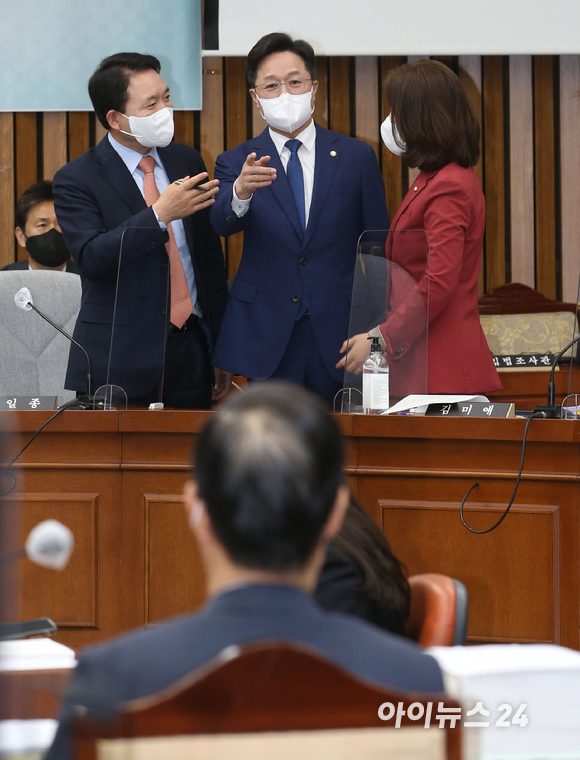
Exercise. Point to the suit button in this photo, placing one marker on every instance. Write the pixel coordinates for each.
(399, 351)
(295, 299)
(229, 220)
(303, 261)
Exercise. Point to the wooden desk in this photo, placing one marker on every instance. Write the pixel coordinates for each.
(116, 480)
(527, 389)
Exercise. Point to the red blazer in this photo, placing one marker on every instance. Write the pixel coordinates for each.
(448, 205)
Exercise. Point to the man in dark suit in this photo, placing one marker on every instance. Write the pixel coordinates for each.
(302, 196)
(153, 276)
(269, 495)
(38, 232)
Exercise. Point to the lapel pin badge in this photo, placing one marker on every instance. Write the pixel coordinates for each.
(415, 189)
(333, 153)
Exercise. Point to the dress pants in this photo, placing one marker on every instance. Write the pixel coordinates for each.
(187, 378)
(302, 364)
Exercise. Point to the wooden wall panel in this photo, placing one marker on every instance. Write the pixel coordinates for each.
(184, 127)
(7, 174)
(175, 582)
(570, 173)
(339, 94)
(521, 130)
(26, 153)
(494, 168)
(545, 175)
(54, 143)
(366, 93)
(321, 108)
(78, 134)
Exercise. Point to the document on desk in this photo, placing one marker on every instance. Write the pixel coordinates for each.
(417, 403)
(35, 654)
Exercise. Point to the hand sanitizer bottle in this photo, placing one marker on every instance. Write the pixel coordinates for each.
(375, 381)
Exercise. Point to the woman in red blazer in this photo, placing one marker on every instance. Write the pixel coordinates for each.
(432, 126)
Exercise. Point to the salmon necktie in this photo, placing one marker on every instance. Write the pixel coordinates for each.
(181, 306)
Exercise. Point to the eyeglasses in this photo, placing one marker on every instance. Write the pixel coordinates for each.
(273, 89)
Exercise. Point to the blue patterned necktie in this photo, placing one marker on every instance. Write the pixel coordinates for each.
(296, 179)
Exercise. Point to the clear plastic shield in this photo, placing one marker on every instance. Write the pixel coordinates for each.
(140, 321)
(390, 299)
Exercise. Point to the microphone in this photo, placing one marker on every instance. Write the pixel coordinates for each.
(23, 299)
(550, 410)
(49, 544)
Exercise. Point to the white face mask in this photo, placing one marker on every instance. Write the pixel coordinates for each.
(153, 131)
(287, 112)
(388, 133)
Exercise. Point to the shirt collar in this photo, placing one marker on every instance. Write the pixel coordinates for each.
(131, 157)
(307, 137)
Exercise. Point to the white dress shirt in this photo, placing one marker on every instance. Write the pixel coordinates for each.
(131, 160)
(307, 155)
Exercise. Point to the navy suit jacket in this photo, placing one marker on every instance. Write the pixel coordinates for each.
(99, 207)
(142, 663)
(281, 262)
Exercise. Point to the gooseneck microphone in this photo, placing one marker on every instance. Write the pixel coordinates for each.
(550, 410)
(23, 299)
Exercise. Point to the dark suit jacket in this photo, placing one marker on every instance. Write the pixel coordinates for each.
(142, 663)
(338, 591)
(280, 261)
(23, 265)
(99, 208)
(445, 209)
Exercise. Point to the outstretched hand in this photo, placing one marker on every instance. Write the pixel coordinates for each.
(254, 175)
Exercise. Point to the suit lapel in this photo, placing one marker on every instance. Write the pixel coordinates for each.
(263, 146)
(420, 184)
(113, 170)
(325, 167)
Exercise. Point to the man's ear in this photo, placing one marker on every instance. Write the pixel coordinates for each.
(337, 514)
(113, 120)
(194, 506)
(20, 236)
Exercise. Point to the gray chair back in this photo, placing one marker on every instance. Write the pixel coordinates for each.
(33, 355)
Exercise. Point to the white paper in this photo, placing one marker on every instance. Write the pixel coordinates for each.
(420, 402)
(26, 735)
(35, 654)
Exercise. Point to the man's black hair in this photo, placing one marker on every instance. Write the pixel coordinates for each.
(110, 81)
(278, 42)
(268, 467)
(37, 193)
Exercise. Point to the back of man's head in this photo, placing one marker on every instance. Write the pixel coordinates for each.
(268, 467)
(110, 81)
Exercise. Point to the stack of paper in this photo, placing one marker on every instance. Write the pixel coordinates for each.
(524, 698)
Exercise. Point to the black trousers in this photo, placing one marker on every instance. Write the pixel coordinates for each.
(188, 375)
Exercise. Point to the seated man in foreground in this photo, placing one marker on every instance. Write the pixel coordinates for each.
(269, 495)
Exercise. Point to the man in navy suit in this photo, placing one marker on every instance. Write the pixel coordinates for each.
(153, 276)
(269, 495)
(302, 196)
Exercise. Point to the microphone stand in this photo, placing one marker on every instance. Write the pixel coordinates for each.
(550, 410)
(82, 402)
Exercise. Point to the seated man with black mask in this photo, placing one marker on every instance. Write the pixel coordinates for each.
(269, 493)
(38, 232)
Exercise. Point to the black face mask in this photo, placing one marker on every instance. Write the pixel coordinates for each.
(48, 249)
